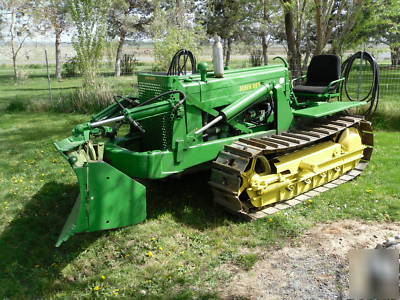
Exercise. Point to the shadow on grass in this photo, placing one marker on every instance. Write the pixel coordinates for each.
(33, 134)
(31, 265)
(382, 121)
(29, 262)
(188, 199)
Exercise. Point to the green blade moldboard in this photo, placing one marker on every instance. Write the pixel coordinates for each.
(108, 199)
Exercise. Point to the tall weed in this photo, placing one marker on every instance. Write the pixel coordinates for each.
(87, 99)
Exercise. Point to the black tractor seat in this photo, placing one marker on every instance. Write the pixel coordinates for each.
(323, 78)
(311, 89)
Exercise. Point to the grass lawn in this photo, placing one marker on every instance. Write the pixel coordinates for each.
(34, 89)
(186, 248)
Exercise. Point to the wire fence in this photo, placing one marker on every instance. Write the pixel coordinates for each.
(34, 78)
(360, 80)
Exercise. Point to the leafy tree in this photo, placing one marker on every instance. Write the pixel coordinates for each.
(265, 23)
(19, 26)
(297, 29)
(311, 26)
(362, 31)
(54, 14)
(128, 20)
(173, 29)
(2, 22)
(386, 27)
(334, 20)
(268, 23)
(90, 20)
(228, 19)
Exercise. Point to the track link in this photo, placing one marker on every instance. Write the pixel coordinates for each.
(235, 158)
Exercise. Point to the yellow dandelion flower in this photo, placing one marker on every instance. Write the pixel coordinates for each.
(369, 191)
(160, 248)
(103, 277)
(150, 254)
(97, 288)
(270, 220)
(153, 238)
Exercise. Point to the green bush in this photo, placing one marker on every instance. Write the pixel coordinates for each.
(157, 68)
(256, 58)
(71, 68)
(16, 106)
(36, 66)
(128, 64)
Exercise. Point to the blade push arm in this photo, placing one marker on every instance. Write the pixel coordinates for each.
(237, 107)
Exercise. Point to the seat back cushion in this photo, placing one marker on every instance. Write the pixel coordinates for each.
(323, 69)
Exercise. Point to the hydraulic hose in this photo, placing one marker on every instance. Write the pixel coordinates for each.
(181, 94)
(372, 97)
(176, 68)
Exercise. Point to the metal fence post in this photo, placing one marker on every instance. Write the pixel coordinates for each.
(48, 76)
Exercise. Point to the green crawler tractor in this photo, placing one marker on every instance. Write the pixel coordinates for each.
(267, 149)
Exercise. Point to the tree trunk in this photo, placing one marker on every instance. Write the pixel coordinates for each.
(294, 59)
(58, 54)
(395, 55)
(264, 49)
(224, 47)
(119, 55)
(263, 37)
(228, 52)
(14, 55)
(319, 27)
(307, 56)
(14, 58)
(179, 12)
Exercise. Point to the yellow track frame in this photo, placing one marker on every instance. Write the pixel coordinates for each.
(295, 173)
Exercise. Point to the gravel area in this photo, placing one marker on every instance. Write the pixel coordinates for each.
(314, 266)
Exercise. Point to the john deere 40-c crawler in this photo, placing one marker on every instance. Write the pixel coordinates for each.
(267, 149)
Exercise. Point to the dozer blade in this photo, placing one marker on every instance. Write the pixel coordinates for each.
(108, 199)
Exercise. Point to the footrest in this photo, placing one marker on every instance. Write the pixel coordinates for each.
(322, 109)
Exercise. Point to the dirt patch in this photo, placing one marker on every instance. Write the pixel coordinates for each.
(314, 266)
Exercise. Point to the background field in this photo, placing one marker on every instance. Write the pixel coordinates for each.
(188, 247)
